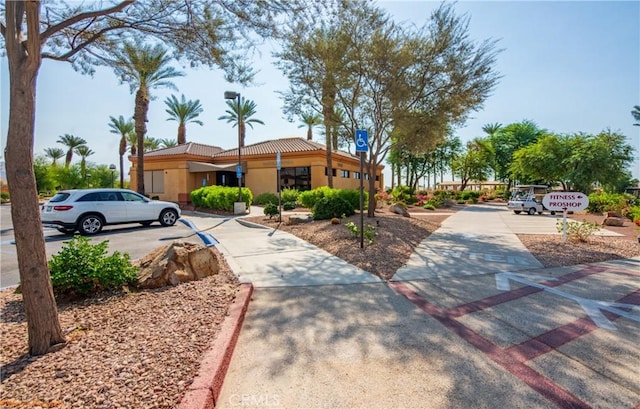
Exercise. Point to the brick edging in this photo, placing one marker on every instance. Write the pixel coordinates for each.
(204, 391)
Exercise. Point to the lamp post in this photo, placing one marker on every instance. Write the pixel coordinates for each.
(236, 95)
(112, 168)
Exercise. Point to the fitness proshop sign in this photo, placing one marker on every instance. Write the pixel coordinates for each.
(565, 201)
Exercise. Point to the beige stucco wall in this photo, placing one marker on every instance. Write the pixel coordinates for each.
(260, 174)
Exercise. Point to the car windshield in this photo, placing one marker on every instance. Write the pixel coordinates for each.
(59, 197)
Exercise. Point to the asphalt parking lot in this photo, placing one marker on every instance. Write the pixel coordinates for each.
(130, 238)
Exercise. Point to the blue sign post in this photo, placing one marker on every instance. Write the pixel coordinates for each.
(362, 147)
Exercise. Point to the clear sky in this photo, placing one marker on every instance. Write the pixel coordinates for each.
(568, 66)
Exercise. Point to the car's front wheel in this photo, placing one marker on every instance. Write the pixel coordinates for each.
(90, 224)
(168, 217)
(532, 211)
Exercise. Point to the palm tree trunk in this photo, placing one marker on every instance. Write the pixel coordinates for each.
(140, 119)
(309, 133)
(43, 326)
(122, 151)
(182, 134)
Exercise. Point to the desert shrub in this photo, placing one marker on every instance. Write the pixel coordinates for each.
(353, 197)
(369, 231)
(289, 195)
(271, 209)
(264, 198)
(4, 197)
(384, 197)
(461, 201)
(309, 198)
(444, 194)
(219, 197)
(601, 202)
(429, 206)
(330, 207)
(82, 268)
(633, 214)
(577, 231)
(289, 205)
(402, 194)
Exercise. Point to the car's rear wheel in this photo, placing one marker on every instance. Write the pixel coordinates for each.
(517, 211)
(168, 217)
(90, 224)
(66, 231)
(532, 211)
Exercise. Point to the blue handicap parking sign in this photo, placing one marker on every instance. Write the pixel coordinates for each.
(362, 140)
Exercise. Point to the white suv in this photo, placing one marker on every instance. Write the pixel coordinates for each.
(88, 210)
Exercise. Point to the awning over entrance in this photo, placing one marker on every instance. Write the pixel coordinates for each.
(195, 167)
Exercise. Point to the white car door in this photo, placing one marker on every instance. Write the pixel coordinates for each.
(138, 207)
(111, 205)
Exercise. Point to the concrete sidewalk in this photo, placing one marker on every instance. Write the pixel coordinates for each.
(448, 336)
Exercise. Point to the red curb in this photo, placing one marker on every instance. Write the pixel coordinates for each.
(205, 389)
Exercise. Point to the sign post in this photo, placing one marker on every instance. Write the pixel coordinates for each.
(565, 201)
(278, 167)
(362, 147)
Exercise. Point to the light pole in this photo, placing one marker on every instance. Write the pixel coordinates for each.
(112, 168)
(236, 95)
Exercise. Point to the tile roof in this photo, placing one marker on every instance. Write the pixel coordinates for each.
(189, 148)
(283, 145)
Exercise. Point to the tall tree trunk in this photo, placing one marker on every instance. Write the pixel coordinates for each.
(40, 307)
(122, 151)
(309, 133)
(399, 175)
(243, 130)
(182, 134)
(140, 119)
(370, 166)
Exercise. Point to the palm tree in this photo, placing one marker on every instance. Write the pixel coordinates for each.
(144, 67)
(183, 112)
(132, 140)
(151, 144)
(310, 119)
(247, 110)
(71, 142)
(168, 143)
(84, 152)
(123, 128)
(54, 154)
(636, 114)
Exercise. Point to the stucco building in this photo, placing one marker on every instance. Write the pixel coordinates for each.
(172, 173)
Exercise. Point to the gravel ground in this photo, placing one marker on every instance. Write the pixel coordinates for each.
(125, 350)
(141, 350)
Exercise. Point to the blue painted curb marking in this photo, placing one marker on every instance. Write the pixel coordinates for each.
(206, 238)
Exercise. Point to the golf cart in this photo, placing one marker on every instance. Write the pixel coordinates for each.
(528, 199)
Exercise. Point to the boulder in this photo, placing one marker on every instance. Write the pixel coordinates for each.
(176, 263)
(613, 221)
(299, 219)
(399, 209)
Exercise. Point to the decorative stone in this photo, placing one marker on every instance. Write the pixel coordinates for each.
(613, 221)
(299, 219)
(399, 209)
(176, 263)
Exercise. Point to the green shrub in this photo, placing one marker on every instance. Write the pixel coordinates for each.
(219, 197)
(4, 197)
(607, 202)
(309, 198)
(402, 194)
(329, 207)
(429, 206)
(82, 268)
(289, 195)
(264, 198)
(443, 194)
(578, 231)
(353, 197)
(271, 209)
(633, 213)
(369, 231)
(289, 205)
(461, 201)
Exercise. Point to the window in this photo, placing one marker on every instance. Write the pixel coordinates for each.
(295, 178)
(344, 174)
(356, 175)
(366, 176)
(333, 171)
(154, 181)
